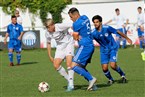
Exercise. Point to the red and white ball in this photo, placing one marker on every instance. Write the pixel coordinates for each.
(43, 87)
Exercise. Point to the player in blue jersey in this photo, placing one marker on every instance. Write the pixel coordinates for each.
(82, 33)
(14, 32)
(140, 23)
(108, 47)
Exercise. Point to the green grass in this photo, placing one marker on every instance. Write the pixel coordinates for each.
(22, 81)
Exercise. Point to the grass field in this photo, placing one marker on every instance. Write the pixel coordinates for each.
(22, 81)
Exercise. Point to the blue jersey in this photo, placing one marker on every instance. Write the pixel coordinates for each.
(82, 26)
(105, 38)
(14, 31)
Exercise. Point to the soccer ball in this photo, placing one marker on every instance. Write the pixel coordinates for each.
(43, 87)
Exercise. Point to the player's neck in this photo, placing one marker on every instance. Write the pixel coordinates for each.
(100, 27)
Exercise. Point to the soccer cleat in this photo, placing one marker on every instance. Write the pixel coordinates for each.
(94, 88)
(110, 82)
(143, 56)
(123, 79)
(70, 88)
(18, 64)
(91, 83)
(11, 64)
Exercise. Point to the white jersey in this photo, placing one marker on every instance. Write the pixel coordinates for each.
(119, 21)
(19, 20)
(61, 34)
(140, 19)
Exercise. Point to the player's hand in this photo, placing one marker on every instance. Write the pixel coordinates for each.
(5, 41)
(19, 38)
(129, 41)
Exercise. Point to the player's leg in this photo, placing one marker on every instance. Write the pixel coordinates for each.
(18, 52)
(59, 56)
(113, 64)
(80, 60)
(143, 53)
(104, 63)
(10, 53)
(61, 70)
(123, 39)
(70, 73)
(140, 37)
(69, 52)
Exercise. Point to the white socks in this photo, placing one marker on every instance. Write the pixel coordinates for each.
(70, 77)
(62, 72)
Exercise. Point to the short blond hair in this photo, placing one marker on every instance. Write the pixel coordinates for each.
(49, 22)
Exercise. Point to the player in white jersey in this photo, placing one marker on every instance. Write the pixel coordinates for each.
(143, 29)
(120, 25)
(140, 22)
(64, 49)
(19, 18)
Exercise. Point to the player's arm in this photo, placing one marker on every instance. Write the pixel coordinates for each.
(108, 22)
(124, 36)
(75, 35)
(20, 37)
(21, 30)
(49, 51)
(5, 39)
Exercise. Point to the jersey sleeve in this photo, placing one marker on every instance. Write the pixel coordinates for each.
(112, 30)
(21, 29)
(8, 29)
(48, 38)
(62, 26)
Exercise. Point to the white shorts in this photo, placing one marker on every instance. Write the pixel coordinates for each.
(64, 49)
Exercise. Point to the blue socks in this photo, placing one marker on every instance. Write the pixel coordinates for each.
(124, 44)
(118, 69)
(10, 57)
(141, 43)
(81, 71)
(18, 58)
(108, 75)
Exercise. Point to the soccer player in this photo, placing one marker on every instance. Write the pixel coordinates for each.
(14, 32)
(108, 47)
(64, 49)
(143, 29)
(19, 18)
(140, 22)
(82, 33)
(119, 19)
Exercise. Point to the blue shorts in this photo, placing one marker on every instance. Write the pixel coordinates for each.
(140, 33)
(107, 57)
(83, 55)
(15, 45)
(123, 30)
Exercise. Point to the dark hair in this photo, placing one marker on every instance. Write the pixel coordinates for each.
(139, 7)
(117, 9)
(13, 16)
(97, 17)
(72, 10)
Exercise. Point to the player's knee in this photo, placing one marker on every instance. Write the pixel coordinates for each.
(105, 68)
(113, 66)
(56, 66)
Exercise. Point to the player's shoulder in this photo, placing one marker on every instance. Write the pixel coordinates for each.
(19, 25)
(10, 25)
(105, 26)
